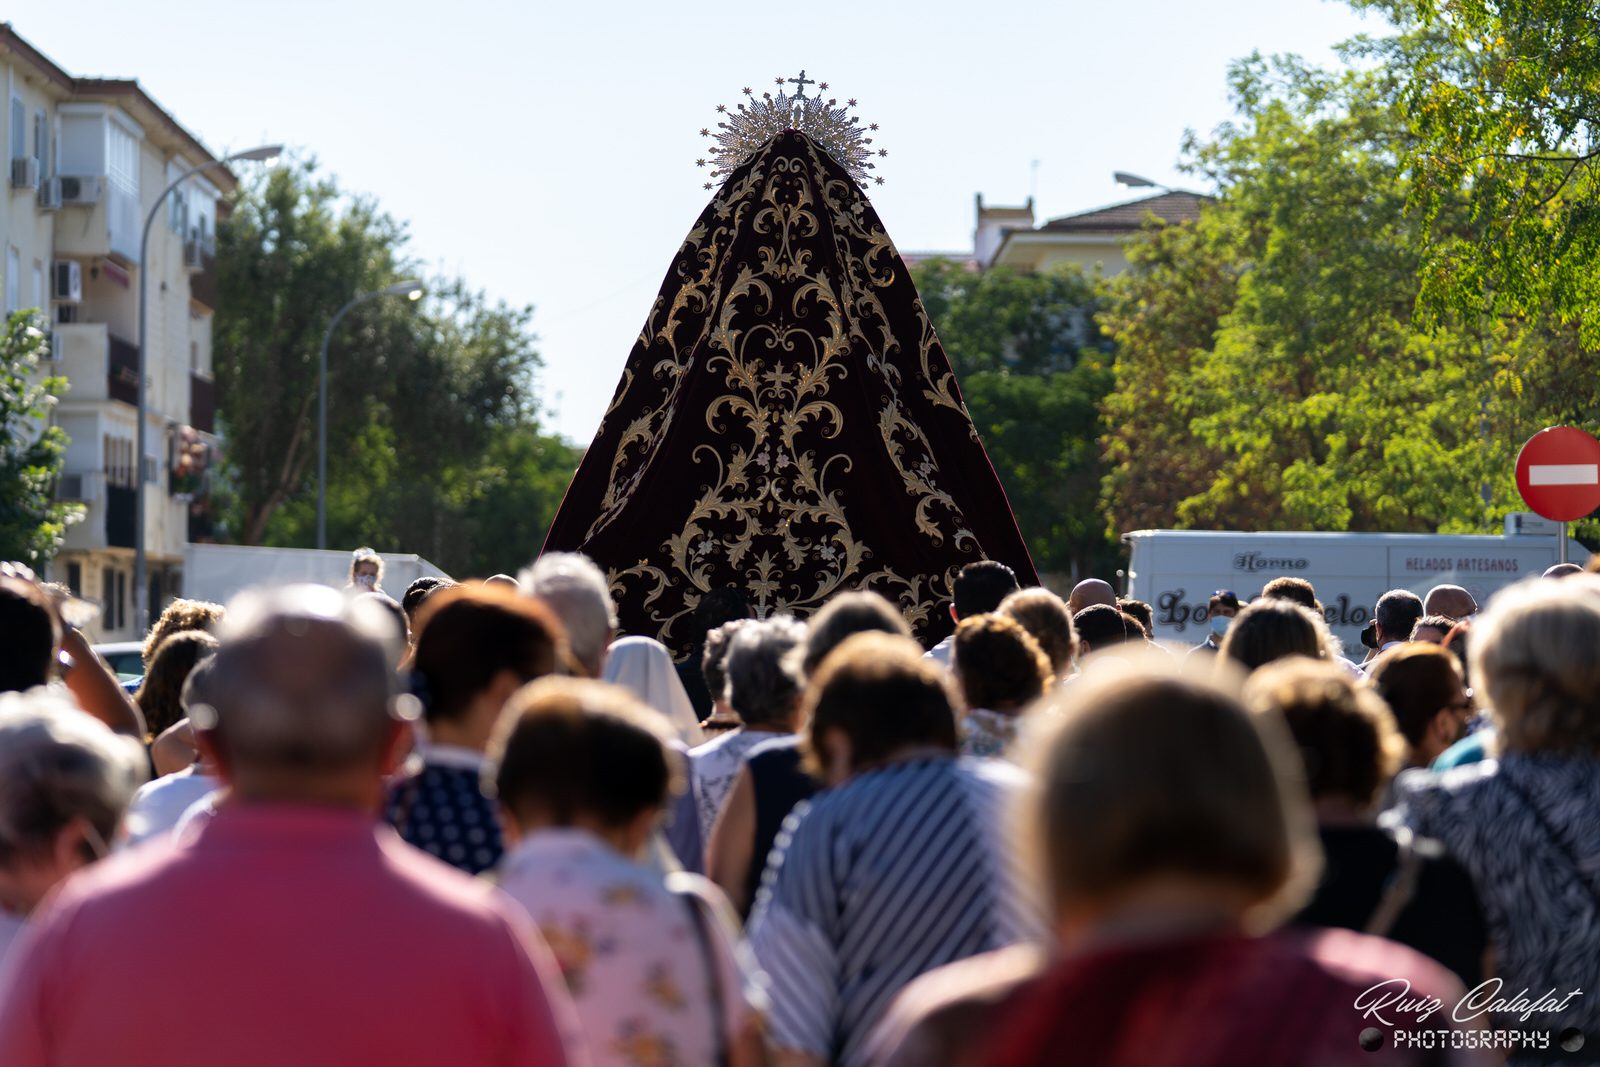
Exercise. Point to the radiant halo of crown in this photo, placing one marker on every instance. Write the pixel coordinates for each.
(748, 126)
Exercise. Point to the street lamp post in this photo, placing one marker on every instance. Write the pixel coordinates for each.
(265, 153)
(1135, 181)
(412, 290)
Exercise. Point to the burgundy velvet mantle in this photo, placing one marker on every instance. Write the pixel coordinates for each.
(787, 422)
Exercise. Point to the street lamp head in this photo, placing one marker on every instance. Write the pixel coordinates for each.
(264, 154)
(1133, 181)
(410, 289)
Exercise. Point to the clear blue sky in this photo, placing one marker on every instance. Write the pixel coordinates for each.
(546, 151)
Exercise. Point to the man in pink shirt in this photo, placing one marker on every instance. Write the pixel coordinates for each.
(295, 929)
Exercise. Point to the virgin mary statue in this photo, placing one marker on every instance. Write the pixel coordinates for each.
(787, 423)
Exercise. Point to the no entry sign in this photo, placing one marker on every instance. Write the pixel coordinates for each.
(1558, 473)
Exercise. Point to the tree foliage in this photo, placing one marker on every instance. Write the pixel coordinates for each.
(432, 406)
(1503, 97)
(1033, 370)
(32, 521)
(1270, 372)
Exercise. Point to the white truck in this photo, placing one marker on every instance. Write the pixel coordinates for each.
(1177, 571)
(217, 572)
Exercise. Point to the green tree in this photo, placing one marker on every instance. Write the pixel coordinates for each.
(1298, 379)
(292, 251)
(32, 521)
(1033, 369)
(432, 406)
(1503, 97)
(1164, 313)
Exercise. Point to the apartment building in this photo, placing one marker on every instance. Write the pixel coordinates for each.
(1094, 241)
(86, 160)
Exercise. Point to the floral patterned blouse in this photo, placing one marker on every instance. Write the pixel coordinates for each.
(628, 948)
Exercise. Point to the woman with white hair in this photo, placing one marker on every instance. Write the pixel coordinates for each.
(65, 780)
(764, 683)
(1527, 825)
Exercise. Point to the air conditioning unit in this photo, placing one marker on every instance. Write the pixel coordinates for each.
(50, 194)
(25, 173)
(79, 189)
(67, 281)
(194, 251)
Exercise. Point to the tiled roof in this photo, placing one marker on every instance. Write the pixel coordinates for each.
(122, 89)
(1130, 216)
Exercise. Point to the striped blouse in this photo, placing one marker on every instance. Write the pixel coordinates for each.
(899, 870)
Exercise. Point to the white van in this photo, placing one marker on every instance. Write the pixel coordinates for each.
(1177, 571)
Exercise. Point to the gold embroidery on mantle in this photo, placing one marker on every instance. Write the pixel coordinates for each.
(780, 331)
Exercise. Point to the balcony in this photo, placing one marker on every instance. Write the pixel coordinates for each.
(97, 364)
(202, 403)
(106, 226)
(203, 282)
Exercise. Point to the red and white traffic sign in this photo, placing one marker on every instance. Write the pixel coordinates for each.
(1558, 473)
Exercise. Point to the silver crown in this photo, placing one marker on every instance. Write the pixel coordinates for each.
(750, 125)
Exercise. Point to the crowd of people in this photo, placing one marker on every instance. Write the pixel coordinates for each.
(476, 825)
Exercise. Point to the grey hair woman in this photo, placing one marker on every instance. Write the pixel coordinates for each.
(65, 780)
(1524, 825)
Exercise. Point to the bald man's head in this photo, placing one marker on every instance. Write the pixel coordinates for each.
(1088, 593)
(1451, 601)
(302, 682)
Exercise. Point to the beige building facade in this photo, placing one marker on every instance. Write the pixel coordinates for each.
(1094, 241)
(86, 160)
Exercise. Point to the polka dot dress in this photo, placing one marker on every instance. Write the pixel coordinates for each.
(442, 811)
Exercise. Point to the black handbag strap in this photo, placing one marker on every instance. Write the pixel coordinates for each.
(1398, 890)
(681, 886)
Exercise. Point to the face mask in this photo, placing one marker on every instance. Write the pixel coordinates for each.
(1220, 624)
(368, 580)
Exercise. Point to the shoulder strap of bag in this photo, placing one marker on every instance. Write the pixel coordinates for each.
(1398, 890)
(682, 886)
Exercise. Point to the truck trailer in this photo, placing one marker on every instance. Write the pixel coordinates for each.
(1177, 571)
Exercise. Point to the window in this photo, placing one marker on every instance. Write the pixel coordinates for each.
(122, 599)
(123, 215)
(38, 285)
(119, 461)
(41, 141)
(108, 598)
(13, 279)
(178, 215)
(122, 163)
(75, 578)
(19, 133)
